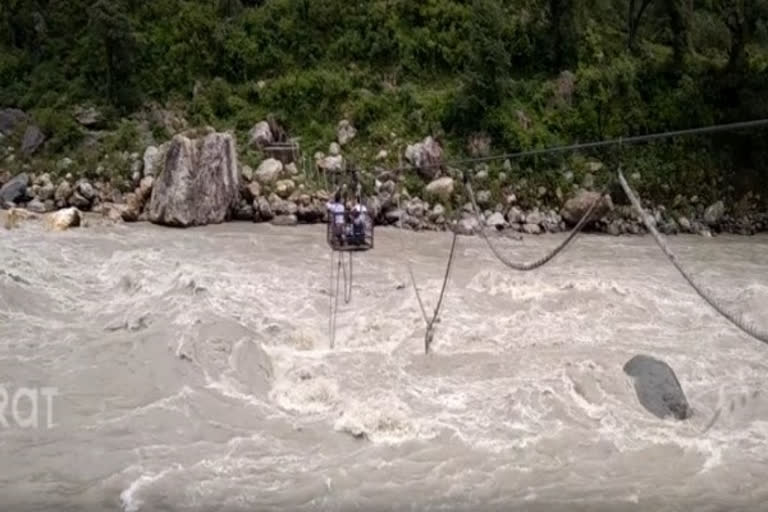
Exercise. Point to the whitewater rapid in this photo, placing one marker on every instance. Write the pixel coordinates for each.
(194, 372)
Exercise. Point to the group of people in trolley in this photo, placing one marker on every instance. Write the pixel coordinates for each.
(347, 229)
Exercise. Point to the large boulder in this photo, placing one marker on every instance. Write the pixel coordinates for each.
(79, 201)
(33, 139)
(131, 210)
(150, 159)
(85, 189)
(252, 191)
(144, 190)
(200, 182)
(46, 191)
(154, 158)
(657, 388)
(260, 135)
(576, 207)
(63, 191)
(441, 188)
(269, 171)
(714, 214)
(426, 156)
(15, 190)
(284, 188)
(10, 118)
(262, 209)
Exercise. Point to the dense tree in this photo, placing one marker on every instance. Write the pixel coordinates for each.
(637, 9)
(565, 26)
(110, 28)
(397, 65)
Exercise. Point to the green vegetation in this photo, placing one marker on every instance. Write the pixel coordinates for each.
(528, 73)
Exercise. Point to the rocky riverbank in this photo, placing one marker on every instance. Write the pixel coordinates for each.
(197, 178)
(288, 203)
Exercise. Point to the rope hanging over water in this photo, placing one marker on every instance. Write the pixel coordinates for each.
(650, 224)
(526, 267)
(429, 322)
(341, 271)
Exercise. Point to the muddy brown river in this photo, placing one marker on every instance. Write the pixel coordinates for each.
(190, 370)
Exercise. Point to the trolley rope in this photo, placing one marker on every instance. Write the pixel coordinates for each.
(334, 302)
(341, 273)
(650, 224)
(592, 145)
(430, 323)
(347, 278)
(526, 267)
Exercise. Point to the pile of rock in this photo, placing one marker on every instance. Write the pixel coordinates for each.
(196, 179)
(276, 193)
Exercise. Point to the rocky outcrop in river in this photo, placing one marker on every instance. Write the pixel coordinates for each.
(199, 184)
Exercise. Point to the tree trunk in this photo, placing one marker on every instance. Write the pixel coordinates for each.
(679, 19)
(634, 19)
(564, 31)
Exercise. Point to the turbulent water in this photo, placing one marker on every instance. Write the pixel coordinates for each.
(194, 372)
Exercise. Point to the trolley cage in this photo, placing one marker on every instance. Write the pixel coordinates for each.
(352, 235)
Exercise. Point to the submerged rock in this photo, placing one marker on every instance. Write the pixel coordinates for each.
(15, 216)
(200, 183)
(285, 220)
(657, 388)
(63, 219)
